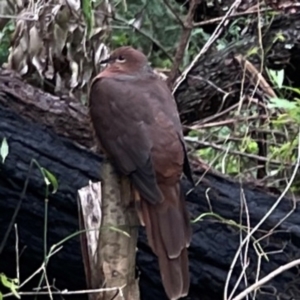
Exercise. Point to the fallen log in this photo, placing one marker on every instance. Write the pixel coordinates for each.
(65, 115)
(216, 237)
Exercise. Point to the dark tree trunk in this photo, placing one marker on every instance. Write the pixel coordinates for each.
(214, 243)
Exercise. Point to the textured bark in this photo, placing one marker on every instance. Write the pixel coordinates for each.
(213, 245)
(117, 250)
(90, 219)
(109, 257)
(65, 115)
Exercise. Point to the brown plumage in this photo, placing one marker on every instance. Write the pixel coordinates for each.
(136, 121)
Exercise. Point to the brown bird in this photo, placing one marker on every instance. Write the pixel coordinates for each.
(136, 121)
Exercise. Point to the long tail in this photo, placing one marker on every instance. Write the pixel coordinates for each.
(169, 234)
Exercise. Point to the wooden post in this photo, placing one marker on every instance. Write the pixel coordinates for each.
(109, 256)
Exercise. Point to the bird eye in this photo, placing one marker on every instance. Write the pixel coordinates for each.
(120, 59)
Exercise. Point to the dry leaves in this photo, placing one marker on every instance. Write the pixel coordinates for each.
(51, 39)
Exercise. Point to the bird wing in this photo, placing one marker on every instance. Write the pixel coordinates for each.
(121, 120)
(167, 131)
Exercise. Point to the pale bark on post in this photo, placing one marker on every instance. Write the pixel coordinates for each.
(90, 216)
(111, 263)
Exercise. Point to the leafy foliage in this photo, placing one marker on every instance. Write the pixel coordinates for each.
(149, 26)
(11, 284)
(63, 46)
(5, 34)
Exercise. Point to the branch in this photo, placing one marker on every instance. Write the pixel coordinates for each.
(169, 6)
(211, 40)
(144, 33)
(267, 278)
(235, 152)
(183, 41)
(239, 14)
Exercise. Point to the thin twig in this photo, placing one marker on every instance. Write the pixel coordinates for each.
(169, 6)
(183, 41)
(267, 278)
(260, 255)
(265, 217)
(211, 83)
(218, 115)
(233, 16)
(17, 208)
(236, 152)
(25, 17)
(228, 110)
(260, 81)
(244, 262)
(240, 14)
(207, 45)
(66, 292)
(240, 139)
(142, 32)
(269, 233)
(255, 75)
(17, 254)
(226, 122)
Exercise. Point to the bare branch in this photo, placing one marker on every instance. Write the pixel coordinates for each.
(211, 40)
(169, 6)
(183, 41)
(267, 278)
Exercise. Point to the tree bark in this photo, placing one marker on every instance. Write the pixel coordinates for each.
(216, 237)
(65, 115)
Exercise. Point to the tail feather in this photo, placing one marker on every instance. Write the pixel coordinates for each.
(169, 234)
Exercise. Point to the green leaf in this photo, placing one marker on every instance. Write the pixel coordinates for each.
(10, 284)
(193, 133)
(50, 179)
(86, 6)
(4, 150)
(277, 77)
(1, 296)
(280, 78)
(119, 230)
(293, 89)
(282, 103)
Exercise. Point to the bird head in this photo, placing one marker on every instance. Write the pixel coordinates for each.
(126, 60)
